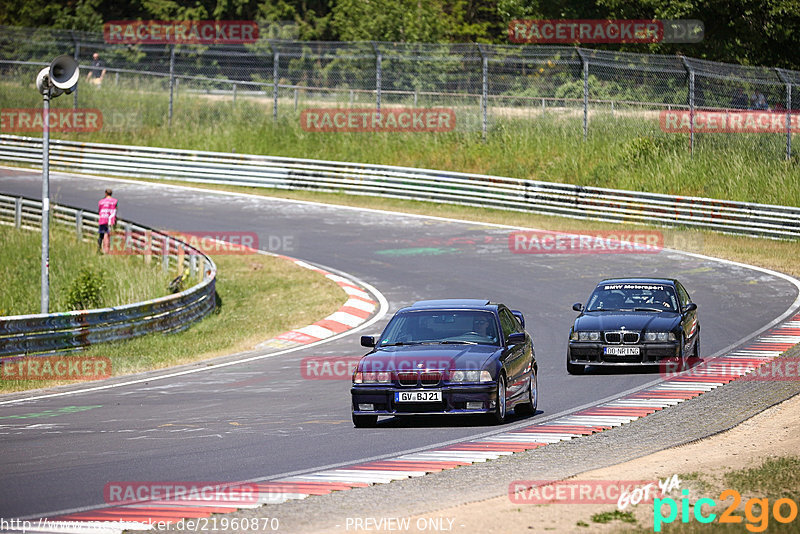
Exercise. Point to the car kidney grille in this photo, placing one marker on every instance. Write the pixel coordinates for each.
(630, 337)
(622, 337)
(613, 337)
(425, 378)
(430, 378)
(407, 379)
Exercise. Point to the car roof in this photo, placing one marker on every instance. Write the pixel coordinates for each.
(452, 304)
(663, 281)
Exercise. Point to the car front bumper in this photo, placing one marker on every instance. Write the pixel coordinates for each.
(583, 353)
(454, 399)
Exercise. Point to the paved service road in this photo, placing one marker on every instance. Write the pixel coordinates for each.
(262, 419)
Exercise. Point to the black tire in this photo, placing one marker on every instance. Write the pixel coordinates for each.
(365, 421)
(574, 368)
(696, 351)
(529, 407)
(498, 417)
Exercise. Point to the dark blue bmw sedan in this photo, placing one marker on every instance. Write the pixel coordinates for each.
(456, 356)
(634, 321)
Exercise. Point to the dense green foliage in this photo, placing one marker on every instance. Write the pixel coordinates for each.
(738, 31)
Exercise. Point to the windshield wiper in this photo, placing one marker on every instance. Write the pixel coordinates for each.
(400, 343)
(648, 309)
(450, 342)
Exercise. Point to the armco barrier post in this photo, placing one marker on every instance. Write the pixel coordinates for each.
(79, 224)
(17, 213)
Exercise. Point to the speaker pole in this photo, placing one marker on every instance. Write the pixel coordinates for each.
(46, 202)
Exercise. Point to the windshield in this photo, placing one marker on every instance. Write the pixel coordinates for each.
(639, 297)
(437, 326)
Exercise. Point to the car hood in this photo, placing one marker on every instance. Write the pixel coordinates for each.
(401, 358)
(640, 321)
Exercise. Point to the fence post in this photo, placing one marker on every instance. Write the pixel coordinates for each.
(171, 81)
(193, 265)
(484, 89)
(79, 224)
(77, 57)
(788, 113)
(690, 70)
(234, 94)
(585, 63)
(295, 99)
(276, 58)
(378, 73)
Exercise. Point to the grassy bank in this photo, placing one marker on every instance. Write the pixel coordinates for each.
(78, 274)
(259, 297)
(625, 150)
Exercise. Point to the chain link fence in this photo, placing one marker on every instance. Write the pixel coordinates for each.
(581, 92)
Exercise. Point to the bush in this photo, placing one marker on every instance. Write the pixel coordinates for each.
(86, 290)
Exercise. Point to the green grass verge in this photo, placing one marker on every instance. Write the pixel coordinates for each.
(260, 296)
(74, 267)
(625, 150)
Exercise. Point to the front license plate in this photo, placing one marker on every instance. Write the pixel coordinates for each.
(418, 396)
(621, 351)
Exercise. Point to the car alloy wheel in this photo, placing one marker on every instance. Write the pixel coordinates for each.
(529, 408)
(499, 414)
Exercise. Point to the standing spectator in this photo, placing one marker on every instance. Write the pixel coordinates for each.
(759, 101)
(107, 209)
(97, 71)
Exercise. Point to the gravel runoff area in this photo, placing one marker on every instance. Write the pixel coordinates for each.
(711, 413)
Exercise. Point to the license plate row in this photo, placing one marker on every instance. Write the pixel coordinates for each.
(418, 396)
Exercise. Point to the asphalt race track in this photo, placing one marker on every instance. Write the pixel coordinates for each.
(261, 419)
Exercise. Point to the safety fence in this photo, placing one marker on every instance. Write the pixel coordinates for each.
(593, 91)
(55, 332)
(402, 182)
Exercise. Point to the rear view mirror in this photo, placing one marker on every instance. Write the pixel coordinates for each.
(577, 307)
(518, 315)
(690, 307)
(367, 341)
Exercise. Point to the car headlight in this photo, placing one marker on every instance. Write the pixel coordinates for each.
(382, 377)
(659, 337)
(470, 376)
(585, 336)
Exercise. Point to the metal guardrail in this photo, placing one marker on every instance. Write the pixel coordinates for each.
(409, 183)
(45, 333)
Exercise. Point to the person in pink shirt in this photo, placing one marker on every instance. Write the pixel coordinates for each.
(107, 209)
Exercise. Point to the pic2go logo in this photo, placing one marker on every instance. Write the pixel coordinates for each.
(756, 511)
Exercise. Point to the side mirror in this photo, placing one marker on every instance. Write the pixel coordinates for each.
(367, 341)
(690, 307)
(518, 315)
(516, 338)
(577, 307)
